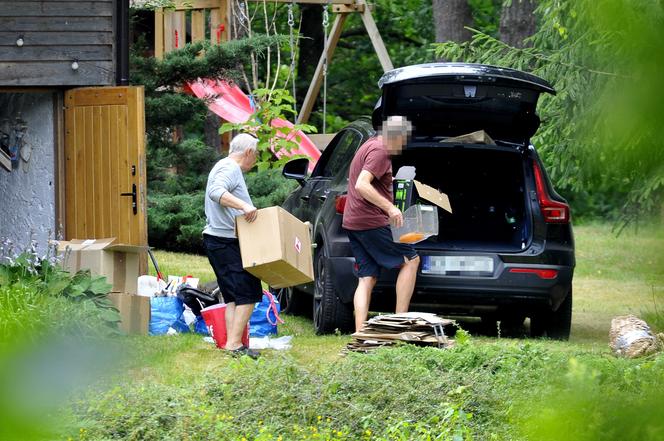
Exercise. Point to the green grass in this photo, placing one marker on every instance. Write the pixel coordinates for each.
(179, 264)
(181, 387)
(634, 255)
(616, 275)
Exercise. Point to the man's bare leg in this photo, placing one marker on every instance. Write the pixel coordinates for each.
(406, 283)
(362, 299)
(238, 325)
(229, 315)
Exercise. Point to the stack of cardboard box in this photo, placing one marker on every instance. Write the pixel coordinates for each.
(119, 263)
(419, 328)
(276, 248)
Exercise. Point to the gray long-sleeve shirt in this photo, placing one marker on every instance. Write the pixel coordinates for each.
(225, 176)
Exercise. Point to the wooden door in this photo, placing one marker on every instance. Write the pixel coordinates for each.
(105, 184)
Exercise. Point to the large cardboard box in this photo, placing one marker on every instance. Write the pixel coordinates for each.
(276, 248)
(119, 263)
(134, 312)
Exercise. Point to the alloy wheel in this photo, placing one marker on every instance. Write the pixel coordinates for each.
(319, 288)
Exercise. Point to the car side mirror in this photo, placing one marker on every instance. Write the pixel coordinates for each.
(296, 169)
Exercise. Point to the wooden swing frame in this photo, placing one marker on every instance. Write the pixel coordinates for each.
(342, 8)
(168, 22)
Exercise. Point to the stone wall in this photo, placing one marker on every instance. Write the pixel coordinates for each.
(27, 193)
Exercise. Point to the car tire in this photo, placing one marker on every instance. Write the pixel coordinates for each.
(511, 325)
(488, 325)
(329, 312)
(560, 321)
(554, 324)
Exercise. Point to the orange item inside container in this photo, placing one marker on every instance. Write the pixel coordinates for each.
(411, 237)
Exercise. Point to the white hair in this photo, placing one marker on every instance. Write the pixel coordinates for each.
(242, 142)
(397, 125)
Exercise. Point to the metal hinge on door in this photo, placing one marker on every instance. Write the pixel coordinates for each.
(134, 205)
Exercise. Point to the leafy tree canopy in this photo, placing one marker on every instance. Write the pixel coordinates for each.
(600, 132)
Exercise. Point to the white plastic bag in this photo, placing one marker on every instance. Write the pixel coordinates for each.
(279, 343)
(150, 286)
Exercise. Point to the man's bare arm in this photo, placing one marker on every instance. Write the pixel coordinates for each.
(368, 192)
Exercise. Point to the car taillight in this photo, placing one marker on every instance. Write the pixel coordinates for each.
(553, 211)
(340, 203)
(541, 273)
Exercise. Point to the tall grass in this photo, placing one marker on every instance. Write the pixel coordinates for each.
(503, 390)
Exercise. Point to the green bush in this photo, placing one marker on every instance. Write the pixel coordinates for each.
(501, 391)
(176, 222)
(599, 401)
(269, 187)
(600, 135)
(355, 399)
(37, 297)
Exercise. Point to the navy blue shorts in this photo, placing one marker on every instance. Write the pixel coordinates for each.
(236, 285)
(375, 248)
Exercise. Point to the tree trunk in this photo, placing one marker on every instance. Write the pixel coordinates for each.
(311, 48)
(211, 130)
(450, 17)
(518, 22)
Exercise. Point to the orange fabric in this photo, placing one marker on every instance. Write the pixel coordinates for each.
(411, 237)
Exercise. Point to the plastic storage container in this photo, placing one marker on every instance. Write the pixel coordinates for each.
(419, 223)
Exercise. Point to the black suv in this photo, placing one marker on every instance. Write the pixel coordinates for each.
(507, 250)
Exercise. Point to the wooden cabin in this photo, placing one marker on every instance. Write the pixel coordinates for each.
(72, 133)
(72, 153)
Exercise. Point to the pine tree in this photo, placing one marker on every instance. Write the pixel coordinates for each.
(178, 158)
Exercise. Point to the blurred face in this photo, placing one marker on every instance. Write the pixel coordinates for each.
(248, 160)
(395, 143)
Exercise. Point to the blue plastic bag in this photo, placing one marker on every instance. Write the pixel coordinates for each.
(264, 320)
(199, 326)
(166, 312)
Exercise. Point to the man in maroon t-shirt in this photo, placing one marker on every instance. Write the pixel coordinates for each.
(369, 212)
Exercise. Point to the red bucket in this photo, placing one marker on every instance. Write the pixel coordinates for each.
(215, 320)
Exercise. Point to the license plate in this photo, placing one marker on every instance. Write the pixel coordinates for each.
(452, 265)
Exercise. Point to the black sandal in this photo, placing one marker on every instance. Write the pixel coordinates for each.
(243, 350)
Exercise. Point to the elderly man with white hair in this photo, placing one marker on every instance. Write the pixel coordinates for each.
(369, 212)
(226, 197)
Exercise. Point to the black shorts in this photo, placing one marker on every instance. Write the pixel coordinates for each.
(375, 248)
(236, 285)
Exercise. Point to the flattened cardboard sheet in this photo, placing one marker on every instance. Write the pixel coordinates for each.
(433, 195)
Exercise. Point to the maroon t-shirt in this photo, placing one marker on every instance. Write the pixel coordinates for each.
(359, 213)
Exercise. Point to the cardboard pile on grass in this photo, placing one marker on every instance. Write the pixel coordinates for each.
(418, 328)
